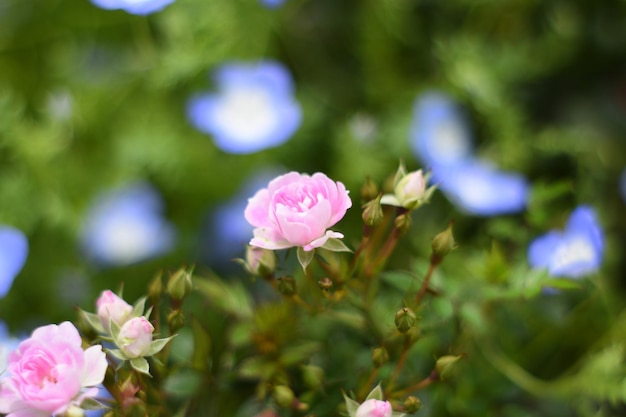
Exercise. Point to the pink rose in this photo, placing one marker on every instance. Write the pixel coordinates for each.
(111, 307)
(296, 210)
(49, 371)
(135, 337)
(374, 408)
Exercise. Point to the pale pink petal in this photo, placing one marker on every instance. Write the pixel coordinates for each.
(268, 238)
(257, 210)
(317, 243)
(94, 368)
(9, 400)
(284, 180)
(29, 412)
(65, 332)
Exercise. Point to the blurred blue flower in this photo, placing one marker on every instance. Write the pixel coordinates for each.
(439, 135)
(480, 189)
(272, 3)
(13, 253)
(140, 7)
(7, 345)
(126, 225)
(573, 252)
(253, 109)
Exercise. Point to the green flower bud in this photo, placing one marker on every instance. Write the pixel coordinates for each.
(404, 319)
(373, 212)
(313, 376)
(402, 223)
(176, 320)
(412, 404)
(283, 395)
(155, 288)
(287, 285)
(443, 243)
(259, 261)
(380, 356)
(179, 284)
(445, 365)
(369, 190)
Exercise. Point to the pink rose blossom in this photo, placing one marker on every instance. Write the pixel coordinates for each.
(49, 372)
(296, 210)
(374, 408)
(111, 307)
(135, 337)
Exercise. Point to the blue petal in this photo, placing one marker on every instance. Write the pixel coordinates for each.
(133, 7)
(541, 249)
(272, 3)
(126, 226)
(13, 253)
(479, 189)
(439, 135)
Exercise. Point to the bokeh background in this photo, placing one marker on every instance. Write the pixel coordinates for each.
(95, 101)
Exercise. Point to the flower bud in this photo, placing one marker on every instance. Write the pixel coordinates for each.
(380, 356)
(112, 308)
(373, 212)
(410, 189)
(445, 364)
(287, 285)
(313, 376)
(374, 408)
(404, 319)
(369, 190)
(283, 395)
(176, 320)
(259, 261)
(412, 404)
(155, 288)
(402, 223)
(325, 284)
(443, 243)
(179, 284)
(135, 337)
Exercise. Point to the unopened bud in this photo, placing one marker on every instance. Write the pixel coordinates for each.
(413, 334)
(155, 287)
(404, 319)
(373, 212)
(176, 320)
(402, 223)
(179, 284)
(445, 364)
(443, 243)
(380, 356)
(283, 395)
(325, 284)
(313, 376)
(369, 190)
(259, 261)
(412, 404)
(287, 285)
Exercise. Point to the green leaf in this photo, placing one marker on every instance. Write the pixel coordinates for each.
(305, 257)
(201, 346)
(140, 365)
(230, 298)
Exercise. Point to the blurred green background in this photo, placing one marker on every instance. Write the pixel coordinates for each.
(93, 99)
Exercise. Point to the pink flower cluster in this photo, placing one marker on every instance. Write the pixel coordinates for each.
(49, 372)
(297, 210)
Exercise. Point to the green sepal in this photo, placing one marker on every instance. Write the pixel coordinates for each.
(157, 345)
(305, 257)
(93, 320)
(140, 365)
(139, 307)
(351, 405)
(336, 245)
(117, 354)
(375, 394)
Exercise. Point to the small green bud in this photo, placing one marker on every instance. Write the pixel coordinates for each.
(325, 284)
(313, 376)
(283, 395)
(369, 190)
(404, 319)
(179, 284)
(413, 334)
(373, 212)
(443, 243)
(380, 356)
(287, 285)
(155, 288)
(445, 365)
(402, 223)
(176, 320)
(412, 404)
